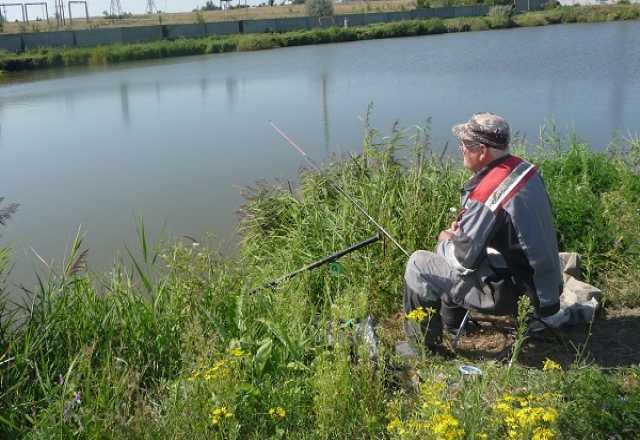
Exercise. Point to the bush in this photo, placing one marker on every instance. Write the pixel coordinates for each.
(500, 16)
(318, 8)
(531, 19)
(551, 4)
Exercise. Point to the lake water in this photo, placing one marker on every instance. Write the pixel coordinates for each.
(175, 140)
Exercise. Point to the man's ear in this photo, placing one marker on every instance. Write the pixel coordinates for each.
(484, 150)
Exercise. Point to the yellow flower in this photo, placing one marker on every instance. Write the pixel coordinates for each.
(503, 407)
(395, 425)
(236, 352)
(543, 434)
(278, 412)
(219, 369)
(446, 427)
(219, 413)
(482, 436)
(550, 365)
(194, 376)
(550, 415)
(417, 314)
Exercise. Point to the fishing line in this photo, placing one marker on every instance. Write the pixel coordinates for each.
(313, 165)
(352, 199)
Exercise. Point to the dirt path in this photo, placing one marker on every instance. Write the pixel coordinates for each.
(614, 342)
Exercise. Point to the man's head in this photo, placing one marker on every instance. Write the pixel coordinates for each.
(484, 138)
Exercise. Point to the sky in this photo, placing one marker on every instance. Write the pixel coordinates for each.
(97, 6)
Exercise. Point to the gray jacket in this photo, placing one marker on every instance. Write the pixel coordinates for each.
(505, 207)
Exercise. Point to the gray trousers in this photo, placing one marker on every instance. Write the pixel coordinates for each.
(430, 281)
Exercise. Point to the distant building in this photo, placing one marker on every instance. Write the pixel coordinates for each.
(591, 2)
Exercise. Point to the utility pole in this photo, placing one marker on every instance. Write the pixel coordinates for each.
(115, 9)
(60, 15)
(151, 6)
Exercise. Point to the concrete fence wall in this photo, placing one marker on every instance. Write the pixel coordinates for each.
(11, 43)
(96, 37)
(196, 30)
(48, 39)
(223, 28)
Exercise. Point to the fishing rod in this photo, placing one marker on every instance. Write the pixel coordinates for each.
(337, 188)
(328, 259)
(363, 211)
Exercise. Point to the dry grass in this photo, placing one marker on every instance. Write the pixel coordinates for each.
(253, 13)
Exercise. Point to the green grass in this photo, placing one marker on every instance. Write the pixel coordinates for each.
(173, 333)
(47, 58)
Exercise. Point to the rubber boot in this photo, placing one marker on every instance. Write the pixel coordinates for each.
(452, 315)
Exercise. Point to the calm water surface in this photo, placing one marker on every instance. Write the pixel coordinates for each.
(174, 141)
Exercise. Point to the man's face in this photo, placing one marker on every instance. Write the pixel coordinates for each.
(473, 155)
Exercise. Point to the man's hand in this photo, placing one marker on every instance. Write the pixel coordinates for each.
(448, 234)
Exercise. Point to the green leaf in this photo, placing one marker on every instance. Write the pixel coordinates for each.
(262, 356)
(143, 276)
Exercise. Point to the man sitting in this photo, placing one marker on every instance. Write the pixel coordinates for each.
(502, 244)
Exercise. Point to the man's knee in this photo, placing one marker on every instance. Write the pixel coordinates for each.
(420, 259)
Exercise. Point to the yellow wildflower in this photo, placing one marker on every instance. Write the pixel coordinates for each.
(446, 427)
(236, 352)
(219, 413)
(526, 417)
(219, 369)
(417, 314)
(541, 433)
(278, 412)
(503, 407)
(550, 415)
(482, 436)
(395, 425)
(195, 375)
(550, 365)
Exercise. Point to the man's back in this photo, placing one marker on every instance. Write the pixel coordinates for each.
(512, 192)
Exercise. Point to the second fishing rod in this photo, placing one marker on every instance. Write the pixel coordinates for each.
(336, 187)
(366, 214)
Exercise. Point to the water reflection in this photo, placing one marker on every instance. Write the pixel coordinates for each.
(68, 100)
(325, 113)
(156, 87)
(230, 86)
(618, 64)
(204, 84)
(124, 104)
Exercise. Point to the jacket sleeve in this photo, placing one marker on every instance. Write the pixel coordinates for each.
(467, 247)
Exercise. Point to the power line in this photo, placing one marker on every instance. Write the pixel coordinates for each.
(151, 7)
(115, 9)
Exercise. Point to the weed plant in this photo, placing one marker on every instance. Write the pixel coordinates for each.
(174, 342)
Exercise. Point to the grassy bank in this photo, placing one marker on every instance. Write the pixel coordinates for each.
(173, 344)
(46, 58)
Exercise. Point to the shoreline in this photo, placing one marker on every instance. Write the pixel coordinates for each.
(112, 54)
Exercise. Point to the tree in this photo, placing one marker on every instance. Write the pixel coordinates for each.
(318, 8)
(208, 6)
